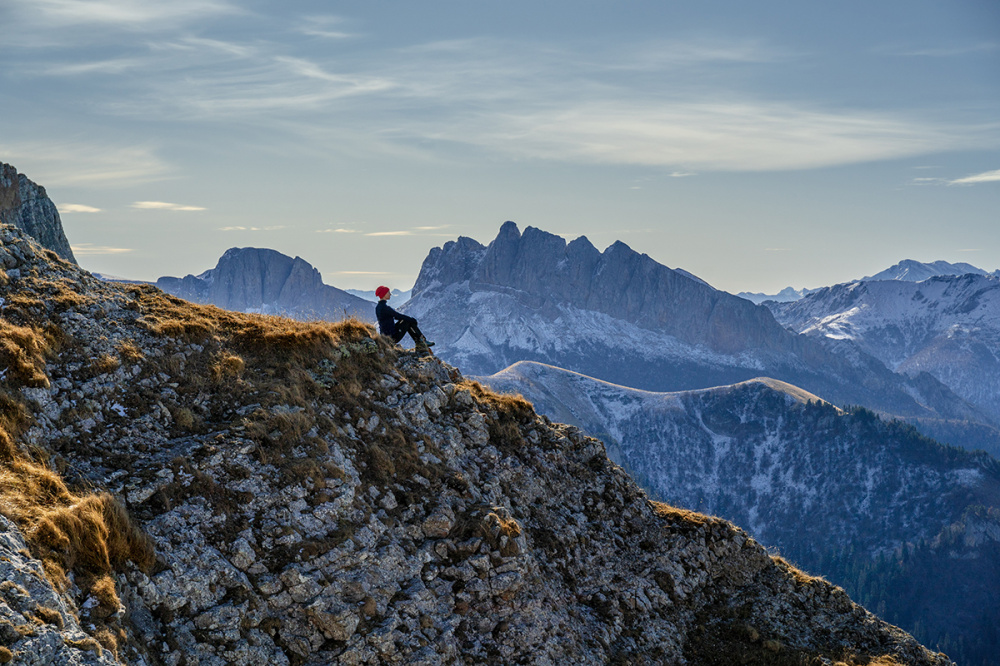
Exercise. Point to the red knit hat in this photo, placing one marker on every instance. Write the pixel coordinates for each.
(382, 291)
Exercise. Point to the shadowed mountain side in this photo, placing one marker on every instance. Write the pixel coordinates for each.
(28, 207)
(268, 282)
(624, 318)
(841, 492)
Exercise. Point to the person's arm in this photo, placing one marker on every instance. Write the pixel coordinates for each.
(396, 315)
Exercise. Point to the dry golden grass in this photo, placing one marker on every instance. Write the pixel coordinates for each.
(22, 355)
(62, 292)
(511, 411)
(684, 516)
(90, 535)
(129, 351)
(50, 616)
(508, 403)
(801, 577)
(227, 366)
(104, 363)
(88, 644)
(183, 418)
(107, 640)
(266, 337)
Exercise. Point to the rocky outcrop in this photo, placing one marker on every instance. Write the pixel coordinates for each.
(315, 496)
(259, 280)
(26, 205)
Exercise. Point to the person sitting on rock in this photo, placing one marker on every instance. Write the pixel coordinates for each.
(396, 325)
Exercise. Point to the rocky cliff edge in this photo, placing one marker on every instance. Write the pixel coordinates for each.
(26, 205)
(201, 486)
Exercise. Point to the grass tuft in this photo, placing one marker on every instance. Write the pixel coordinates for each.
(511, 412)
(22, 355)
(682, 516)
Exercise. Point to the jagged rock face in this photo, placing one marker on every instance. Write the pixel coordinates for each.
(834, 491)
(947, 326)
(317, 497)
(621, 317)
(619, 283)
(26, 205)
(260, 280)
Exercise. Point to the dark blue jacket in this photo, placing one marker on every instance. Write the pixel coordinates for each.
(387, 318)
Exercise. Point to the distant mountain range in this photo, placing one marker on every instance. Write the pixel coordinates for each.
(784, 296)
(265, 281)
(947, 326)
(840, 492)
(908, 270)
(915, 271)
(622, 317)
(398, 295)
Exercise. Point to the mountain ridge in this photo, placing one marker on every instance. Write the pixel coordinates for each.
(840, 492)
(526, 297)
(266, 281)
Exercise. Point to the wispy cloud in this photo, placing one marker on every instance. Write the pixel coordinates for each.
(88, 249)
(985, 177)
(114, 66)
(516, 99)
(129, 13)
(719, 135)
(60, 163)
(77, 208)
(163, 205)
(338, 231)
(323, 26)
(951, 51)
(415, 231)
(239, 228)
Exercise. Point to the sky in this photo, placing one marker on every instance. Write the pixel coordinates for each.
(757, 145)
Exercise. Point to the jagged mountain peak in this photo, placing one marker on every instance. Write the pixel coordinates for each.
(618, 282)
(315, 496)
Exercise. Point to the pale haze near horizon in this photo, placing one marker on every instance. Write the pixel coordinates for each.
(756, 145)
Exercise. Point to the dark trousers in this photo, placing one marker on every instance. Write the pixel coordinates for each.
(408, 325)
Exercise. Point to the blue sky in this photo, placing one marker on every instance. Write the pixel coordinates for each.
(757, 145)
